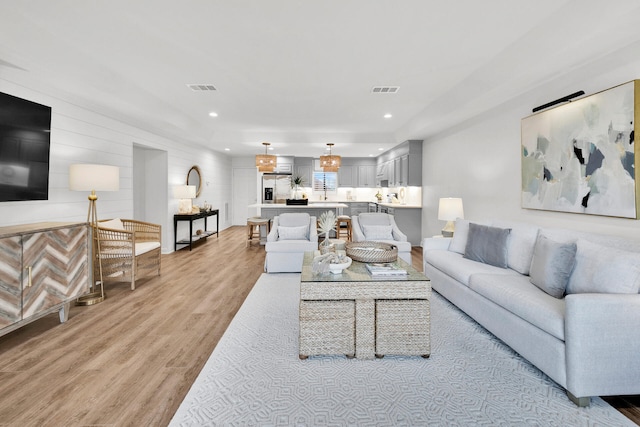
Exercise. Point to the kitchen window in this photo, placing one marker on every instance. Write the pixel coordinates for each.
(325, 182)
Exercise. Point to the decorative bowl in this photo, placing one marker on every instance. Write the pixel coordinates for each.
(372, 251)
(337, 268)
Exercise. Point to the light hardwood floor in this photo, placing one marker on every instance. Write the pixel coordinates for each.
(130, 360)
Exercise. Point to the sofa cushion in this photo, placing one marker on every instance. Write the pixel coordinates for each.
(377, 232)
(294, 246)
(113, 224)
(519, 296)
(293, 233)
(460, 268)
(520, 244)
(603, 269)
(459, 240)
(551, 265)
(487, 245)
(144, 247)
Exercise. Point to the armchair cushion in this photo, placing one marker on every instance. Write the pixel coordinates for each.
(377, 232)
(293, 233)
(114, 224)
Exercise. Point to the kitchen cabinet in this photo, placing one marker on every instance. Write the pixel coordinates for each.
(401, 166)
(366, 176)
(347, 176)
(303, 167)
(358, 208)
(46, 266)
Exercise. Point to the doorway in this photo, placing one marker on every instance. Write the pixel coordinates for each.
(150, 177)
(245, 193)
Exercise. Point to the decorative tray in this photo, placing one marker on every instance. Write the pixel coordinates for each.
(372, 251)
(298, 202)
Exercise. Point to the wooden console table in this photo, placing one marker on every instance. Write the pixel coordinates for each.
(194, 237)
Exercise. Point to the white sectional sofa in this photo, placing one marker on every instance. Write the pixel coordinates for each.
(587, 336)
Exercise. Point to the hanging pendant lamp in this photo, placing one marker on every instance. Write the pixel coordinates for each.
(330, 163)
(265, 162)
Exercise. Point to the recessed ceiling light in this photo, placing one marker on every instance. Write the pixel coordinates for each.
(381, 149)
(227, 149)
(213, 114)
(388, 116)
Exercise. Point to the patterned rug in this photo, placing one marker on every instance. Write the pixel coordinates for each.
(254, 377)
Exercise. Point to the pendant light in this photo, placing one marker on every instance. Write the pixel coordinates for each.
(265, 162)
(330, 163)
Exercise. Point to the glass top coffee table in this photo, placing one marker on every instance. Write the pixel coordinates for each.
(361, 316)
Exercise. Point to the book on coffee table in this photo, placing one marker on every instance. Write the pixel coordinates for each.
(385, 269)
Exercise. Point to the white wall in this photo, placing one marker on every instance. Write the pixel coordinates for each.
(480, 160)
(82, 136)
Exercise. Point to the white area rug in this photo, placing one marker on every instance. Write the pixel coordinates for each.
(254, 377)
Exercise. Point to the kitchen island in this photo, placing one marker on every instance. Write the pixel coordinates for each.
(270, 210)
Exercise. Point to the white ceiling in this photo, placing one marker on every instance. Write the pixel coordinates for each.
(299, 73)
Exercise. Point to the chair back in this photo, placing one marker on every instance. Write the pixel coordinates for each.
(373, 218)
(296, 219)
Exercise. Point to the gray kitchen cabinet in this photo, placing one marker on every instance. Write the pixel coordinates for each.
(347, 176)
(366, 176)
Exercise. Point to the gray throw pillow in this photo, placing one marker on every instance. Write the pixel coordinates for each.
(487, 245)
(551, 265)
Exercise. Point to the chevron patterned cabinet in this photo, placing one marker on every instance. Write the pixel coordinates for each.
(43, 268)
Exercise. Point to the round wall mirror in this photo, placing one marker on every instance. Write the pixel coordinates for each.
(194, 177)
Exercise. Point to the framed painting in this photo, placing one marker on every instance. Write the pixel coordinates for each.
(580, 157)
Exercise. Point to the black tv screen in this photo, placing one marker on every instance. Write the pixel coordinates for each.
(25, 129)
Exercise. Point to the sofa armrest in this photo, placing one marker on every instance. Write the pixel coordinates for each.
(273, 234)
(602, 338)
(430, 243)
(356, 231)
(313, 229)
(398, 235)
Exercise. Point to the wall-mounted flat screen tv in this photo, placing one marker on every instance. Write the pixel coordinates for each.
(25, 129)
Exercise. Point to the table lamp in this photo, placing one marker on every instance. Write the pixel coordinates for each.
(449, 209)
(185, 193)
(90, 177)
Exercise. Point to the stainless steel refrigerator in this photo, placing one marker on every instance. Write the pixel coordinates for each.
(276, 188)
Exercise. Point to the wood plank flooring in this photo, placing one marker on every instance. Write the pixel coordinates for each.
(130, 360)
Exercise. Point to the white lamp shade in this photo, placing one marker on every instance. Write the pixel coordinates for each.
(184, 191)
(450, 208)
(88, 177)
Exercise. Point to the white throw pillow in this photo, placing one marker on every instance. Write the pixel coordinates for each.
(292, 233)
(601, 269)
(378, 232)
(459, 240)
(114, 224)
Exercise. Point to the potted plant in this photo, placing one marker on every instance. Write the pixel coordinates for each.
(296, 183)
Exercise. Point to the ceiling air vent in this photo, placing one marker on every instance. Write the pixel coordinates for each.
(385, 89)
(202, 87)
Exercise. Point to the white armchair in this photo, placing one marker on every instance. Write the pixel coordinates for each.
(380, 227)
(292, 234)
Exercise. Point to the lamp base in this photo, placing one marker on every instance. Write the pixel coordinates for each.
(448, 229)
(90, 298)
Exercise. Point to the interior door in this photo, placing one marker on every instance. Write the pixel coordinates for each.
(245, 193)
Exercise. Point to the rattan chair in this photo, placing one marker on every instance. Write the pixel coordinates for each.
(127, 249)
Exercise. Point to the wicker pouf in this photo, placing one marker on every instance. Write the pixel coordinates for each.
(372, 251)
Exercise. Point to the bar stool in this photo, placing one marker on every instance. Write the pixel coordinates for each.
(254, 225)
(343, 219)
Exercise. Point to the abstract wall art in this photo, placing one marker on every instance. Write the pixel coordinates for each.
(580, 157)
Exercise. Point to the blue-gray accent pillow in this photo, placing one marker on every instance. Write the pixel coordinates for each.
(487, 245)
(551, 265)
